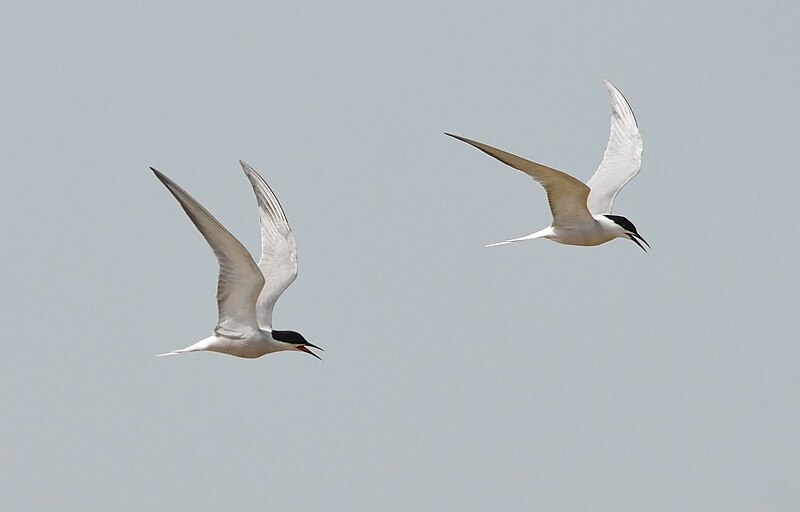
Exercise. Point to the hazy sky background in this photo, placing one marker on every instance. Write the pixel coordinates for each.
(456, 378)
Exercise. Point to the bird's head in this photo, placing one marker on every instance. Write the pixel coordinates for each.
(296, 341)
(626, 228)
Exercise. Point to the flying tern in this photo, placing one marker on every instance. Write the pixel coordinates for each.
(582, 212)
(246, 292)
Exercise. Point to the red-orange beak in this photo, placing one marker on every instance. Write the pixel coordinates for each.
(304, 348)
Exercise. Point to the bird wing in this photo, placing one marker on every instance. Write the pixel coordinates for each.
(278, 260)
(622, 159)
(566, 195)
(239, 281)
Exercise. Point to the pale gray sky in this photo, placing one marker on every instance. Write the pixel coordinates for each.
(456, 378)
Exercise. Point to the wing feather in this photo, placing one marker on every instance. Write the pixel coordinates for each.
(239, 281)
(565, 194)
(623, 156)
(278, 261)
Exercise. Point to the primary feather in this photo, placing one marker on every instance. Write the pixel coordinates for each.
(239, 282)
(278, 261)
(565, 194)
(622, 159)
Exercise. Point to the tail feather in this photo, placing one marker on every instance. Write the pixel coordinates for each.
(191, 348)
(173, 353)
(501, 243)
(504, 242)
(200, 345)
(544, 233)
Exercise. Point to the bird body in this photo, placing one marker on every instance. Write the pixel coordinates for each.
(595, 232)
(251, 346)
(581, 212)
(246, 291)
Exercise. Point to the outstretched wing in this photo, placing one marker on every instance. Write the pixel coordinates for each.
(622, 159)
(566, 195)
(278, 260)
(239, 281)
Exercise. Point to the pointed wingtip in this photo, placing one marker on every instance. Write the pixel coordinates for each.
(466, 140)
(611, 87)
(619, 103)
(251, 173)
(160, 175)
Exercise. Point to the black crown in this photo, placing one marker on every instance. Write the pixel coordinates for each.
(623, 223)
(295, 338)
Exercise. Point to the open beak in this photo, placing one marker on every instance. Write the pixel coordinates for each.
(634, 236)
(304, 348)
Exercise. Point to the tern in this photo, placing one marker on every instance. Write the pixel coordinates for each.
(246, 292)
(582, 212)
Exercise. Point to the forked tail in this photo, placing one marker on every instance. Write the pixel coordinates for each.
(504, 242)
(173, 353)
(197, 347)
(193, 348)
(544, 233)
